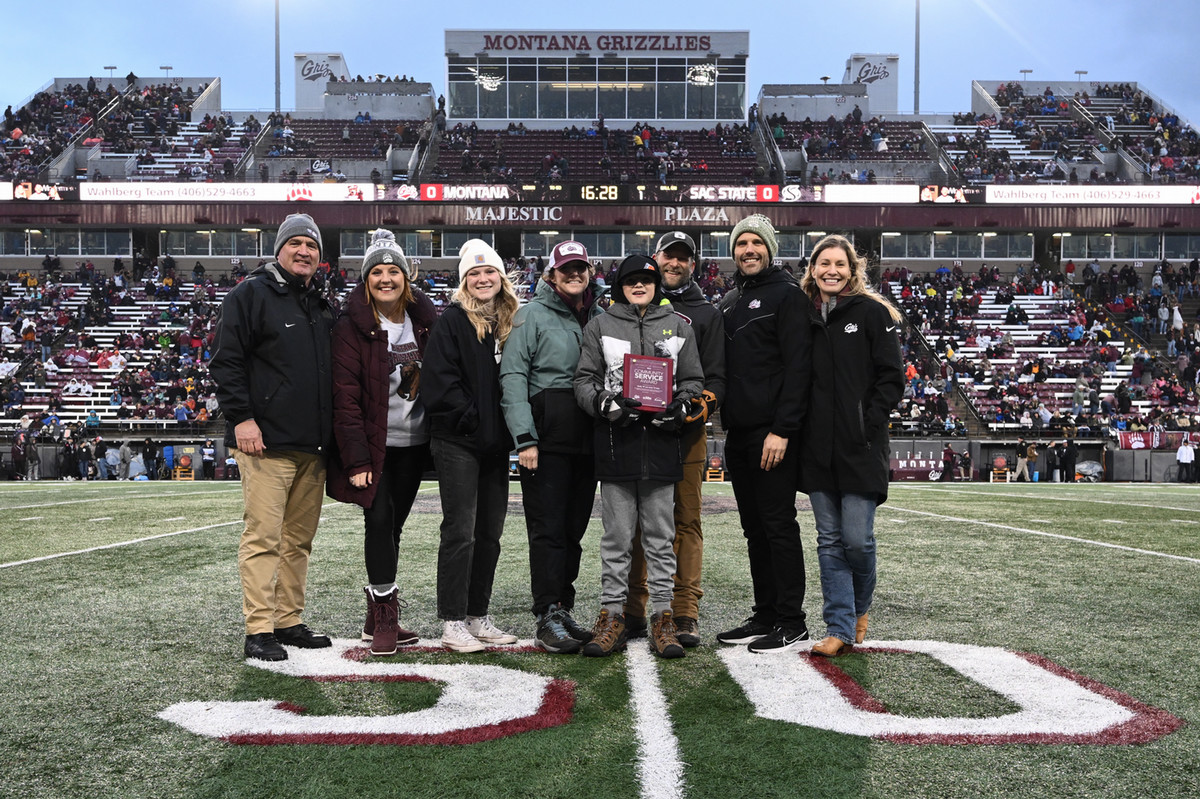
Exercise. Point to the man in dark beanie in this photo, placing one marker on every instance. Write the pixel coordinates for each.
(767, 361)
(271, 362)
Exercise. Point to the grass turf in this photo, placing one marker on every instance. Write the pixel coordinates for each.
(96, 644)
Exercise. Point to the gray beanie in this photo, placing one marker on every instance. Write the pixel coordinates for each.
(298, 225)
(383, 249)
(759, 224)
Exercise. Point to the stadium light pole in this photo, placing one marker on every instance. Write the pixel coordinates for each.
(276, 56)
(917, 63)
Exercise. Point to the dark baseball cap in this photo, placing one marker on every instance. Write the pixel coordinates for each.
(675, 237)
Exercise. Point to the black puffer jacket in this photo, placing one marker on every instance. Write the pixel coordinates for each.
(361, 390)
(858, 377)
(460, 386)
(272, 361)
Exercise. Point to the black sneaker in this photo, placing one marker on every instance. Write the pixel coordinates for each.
(747, 633)
(635, 627)
(299, 635)
(779, 641)
(579, 633)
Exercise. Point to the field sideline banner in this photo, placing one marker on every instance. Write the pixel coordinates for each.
(227, 192)
(1155, 440)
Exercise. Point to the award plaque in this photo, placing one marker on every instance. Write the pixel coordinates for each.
(649, 380)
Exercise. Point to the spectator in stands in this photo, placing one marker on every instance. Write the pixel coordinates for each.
(857, 380)
(470, 444)
(381, 429)
(279, 436)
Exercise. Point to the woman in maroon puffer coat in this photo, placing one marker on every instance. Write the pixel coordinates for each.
(381, 434)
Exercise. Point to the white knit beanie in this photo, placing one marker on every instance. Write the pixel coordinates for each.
(477, 252)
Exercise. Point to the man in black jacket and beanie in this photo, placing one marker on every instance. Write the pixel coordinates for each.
(767, 361)
(272, 365)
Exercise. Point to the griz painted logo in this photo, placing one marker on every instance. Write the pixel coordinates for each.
(485, 702)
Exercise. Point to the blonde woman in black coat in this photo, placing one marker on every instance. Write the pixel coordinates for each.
(857, 378)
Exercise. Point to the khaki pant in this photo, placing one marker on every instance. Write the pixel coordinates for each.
(689, 538)
(282, 493)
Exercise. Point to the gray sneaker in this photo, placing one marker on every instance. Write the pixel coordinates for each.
(552, 635)
(580, 634)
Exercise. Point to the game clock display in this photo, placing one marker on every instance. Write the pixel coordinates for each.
(616, 192)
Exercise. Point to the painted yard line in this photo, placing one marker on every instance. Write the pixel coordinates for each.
(175, 519)
(101, 519)
(660, 772)
(1185, 521)
(117, 544)
(1113, 521)
(29, 519)
(1048, 498)
(1043, 533)
(122, 496)
(1042, 521)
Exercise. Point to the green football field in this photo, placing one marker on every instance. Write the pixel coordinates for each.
(1026, 641)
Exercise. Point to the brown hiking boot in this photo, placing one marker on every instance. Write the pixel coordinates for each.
(687, 630)
(662, 636)
(608, 636)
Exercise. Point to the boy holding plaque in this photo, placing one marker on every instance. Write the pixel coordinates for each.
(638, 370)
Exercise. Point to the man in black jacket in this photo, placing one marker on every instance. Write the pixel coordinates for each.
(271, 362)
(767, 359)
(676, 256)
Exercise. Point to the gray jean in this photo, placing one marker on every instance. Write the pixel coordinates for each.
(625, 506)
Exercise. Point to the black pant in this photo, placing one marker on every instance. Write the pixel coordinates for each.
(558, 500)
(766, 503)
(474, 492)
(384, 520)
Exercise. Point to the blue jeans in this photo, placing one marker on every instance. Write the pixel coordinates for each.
(846, 553)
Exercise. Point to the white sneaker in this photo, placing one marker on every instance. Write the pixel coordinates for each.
(483, 629)
(456, 638)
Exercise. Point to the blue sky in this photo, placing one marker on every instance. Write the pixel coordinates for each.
(790, 42)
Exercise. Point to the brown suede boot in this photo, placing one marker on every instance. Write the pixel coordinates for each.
(663, 640)
(608, 636)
